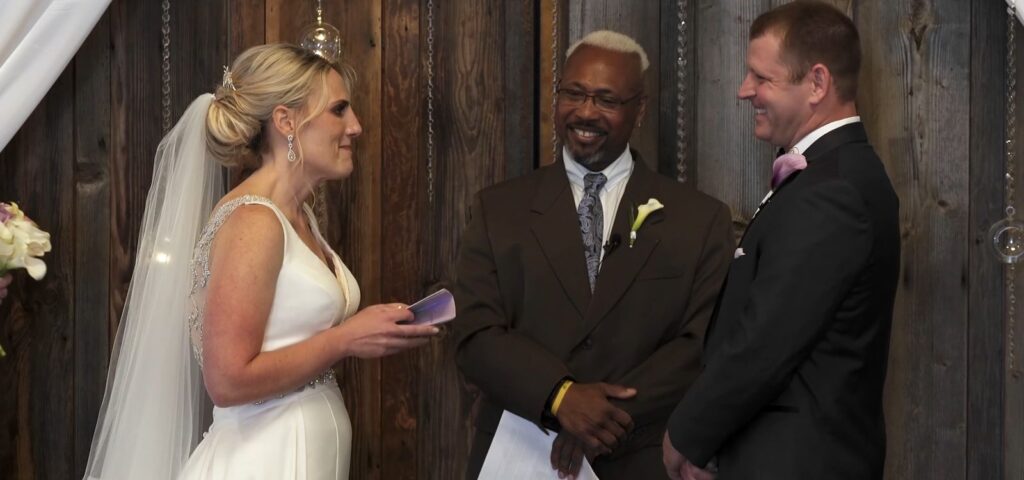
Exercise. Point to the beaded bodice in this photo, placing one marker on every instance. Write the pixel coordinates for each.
(308, 298)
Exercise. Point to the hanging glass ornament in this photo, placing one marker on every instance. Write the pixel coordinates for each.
(322, 38)
(1008, 238)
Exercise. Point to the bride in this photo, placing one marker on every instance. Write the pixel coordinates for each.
(264, 307)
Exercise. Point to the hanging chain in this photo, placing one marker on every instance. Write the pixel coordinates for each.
(321, 193)
(554, 78)
(430, 102)
(681, 70)
(1011, 170)
(165, 75)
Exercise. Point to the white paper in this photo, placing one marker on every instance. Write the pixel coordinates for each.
(520, 449)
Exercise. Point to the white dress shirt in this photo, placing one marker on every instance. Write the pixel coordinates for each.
(812, 137)
(617, 173)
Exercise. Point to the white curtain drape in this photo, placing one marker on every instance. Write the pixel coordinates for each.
(37, 40)
(1020, 6)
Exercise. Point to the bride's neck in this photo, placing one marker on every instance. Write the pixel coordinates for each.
(284, 185)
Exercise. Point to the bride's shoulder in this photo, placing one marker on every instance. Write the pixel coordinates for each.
(245, 218)
(249, 236)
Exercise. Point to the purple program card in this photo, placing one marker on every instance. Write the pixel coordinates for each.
(438, 307)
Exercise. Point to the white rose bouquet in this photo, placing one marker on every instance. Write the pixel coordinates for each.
(21, 244)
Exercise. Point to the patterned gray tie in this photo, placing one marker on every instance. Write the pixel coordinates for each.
(592, 223)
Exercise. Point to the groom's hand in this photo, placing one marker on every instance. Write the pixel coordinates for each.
(567, 454)
(587, 414)
(677, 466)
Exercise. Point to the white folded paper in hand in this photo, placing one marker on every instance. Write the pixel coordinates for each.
(521, 450)
(438, 307)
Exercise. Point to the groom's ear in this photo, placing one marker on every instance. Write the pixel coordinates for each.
(820, 81)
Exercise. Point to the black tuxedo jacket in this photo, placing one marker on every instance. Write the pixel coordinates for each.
(796, 352)
(527, 318)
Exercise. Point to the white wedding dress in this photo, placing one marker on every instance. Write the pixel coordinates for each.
(305, 434)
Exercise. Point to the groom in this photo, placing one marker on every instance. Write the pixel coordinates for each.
(797, 349)
(597, 343)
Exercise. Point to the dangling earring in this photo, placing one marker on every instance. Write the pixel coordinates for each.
(291, 148)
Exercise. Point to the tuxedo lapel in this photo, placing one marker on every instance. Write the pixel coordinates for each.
(853, 132)
(621, 265)
(557, 229)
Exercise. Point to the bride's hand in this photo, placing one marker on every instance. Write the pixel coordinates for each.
(375, 332)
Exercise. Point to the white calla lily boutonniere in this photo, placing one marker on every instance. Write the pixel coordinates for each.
(642, 212)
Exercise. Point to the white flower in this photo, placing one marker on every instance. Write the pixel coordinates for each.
(22, 242)
(642, 212)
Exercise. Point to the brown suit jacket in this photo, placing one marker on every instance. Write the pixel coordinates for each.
(527, 318)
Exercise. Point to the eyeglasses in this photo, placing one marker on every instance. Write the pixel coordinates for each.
(575, 98)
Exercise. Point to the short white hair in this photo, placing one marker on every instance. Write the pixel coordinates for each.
(614, 41)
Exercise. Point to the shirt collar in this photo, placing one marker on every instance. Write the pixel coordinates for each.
(615, 172)
(806, 142)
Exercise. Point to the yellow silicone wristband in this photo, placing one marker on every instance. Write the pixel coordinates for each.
(561, 395)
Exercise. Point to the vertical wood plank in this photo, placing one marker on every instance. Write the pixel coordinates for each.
(634, 19)
(520, 37)
(734, 165)
(470, 155)
(403, 217)
(986, 300)
(554, 20)
(135, 133)
(247, 23)
(36, 170)
(273, 17)
(1013, 333)
(92, 122)
(916, 58)
(197, 27)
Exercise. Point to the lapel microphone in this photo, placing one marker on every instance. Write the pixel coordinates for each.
(612, 243)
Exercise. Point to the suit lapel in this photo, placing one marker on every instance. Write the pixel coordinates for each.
(557, 230)
(621, 265)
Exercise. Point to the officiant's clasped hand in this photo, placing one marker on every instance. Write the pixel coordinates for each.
(591, 425)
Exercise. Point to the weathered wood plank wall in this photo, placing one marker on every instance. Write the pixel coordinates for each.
(92, 232)
(985, 369)
(916, 56)
(932, 99)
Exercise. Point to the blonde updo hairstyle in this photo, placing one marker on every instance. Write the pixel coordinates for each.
(263, 78)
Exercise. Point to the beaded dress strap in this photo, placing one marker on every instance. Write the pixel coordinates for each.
(199, 268)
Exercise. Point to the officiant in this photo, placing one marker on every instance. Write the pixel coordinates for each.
(574, 312)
